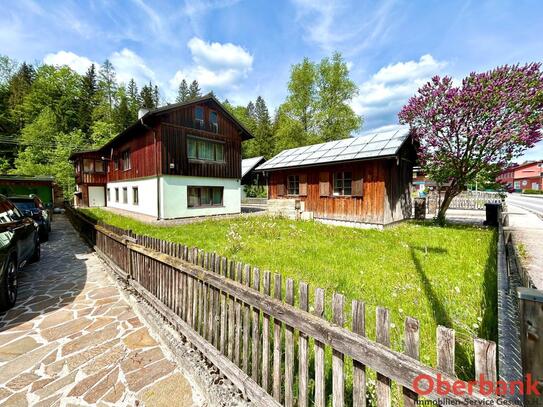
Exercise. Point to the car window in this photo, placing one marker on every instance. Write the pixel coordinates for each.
(25, 205)
(8, 212)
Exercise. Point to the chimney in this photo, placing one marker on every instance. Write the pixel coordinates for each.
(142, 112)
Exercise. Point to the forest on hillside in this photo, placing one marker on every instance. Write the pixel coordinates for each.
(47, 112)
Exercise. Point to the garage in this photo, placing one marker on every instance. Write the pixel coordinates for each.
(97, 196)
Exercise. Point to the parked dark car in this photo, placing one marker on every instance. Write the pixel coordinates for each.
(33, 207)
(19, 244)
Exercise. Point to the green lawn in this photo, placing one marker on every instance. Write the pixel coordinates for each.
(441, 276)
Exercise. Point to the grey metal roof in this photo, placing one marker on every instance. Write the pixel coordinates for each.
(372, 145)
(249, 163)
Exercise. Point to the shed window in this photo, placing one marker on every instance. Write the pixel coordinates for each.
(135, 196)
(293, 185)
(343, 183)
(213, 122)
(116, 194)
(125, 195)
(200, 149)
(98, 166)
(125, 156)
(199, 117)
(205, 196)
(87, 165)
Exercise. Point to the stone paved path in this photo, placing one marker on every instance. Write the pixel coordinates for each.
(72, 339)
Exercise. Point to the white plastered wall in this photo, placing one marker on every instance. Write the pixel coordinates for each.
(147, 193)
(173, 196)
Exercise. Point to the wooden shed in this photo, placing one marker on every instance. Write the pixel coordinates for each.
(363, 180)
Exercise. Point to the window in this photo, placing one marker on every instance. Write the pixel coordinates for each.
(125, 157)
(343, 183)
(204, 196)
(116, 194)
(214, 121)
(135, 196)
(98, 166)
(293, 185)
(125, 195)
(116, 164)
(87, 165)
(108, 194)
(200, 149)
(199, 117)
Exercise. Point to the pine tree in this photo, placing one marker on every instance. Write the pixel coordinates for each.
(88, 99)
(147, 97)
(263, 130)
(123, 117)
(156, 96)
(133, 99)
(182, 92)
(194, 90)
(108, 82)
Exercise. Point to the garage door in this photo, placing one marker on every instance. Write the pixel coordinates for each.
(97, 196)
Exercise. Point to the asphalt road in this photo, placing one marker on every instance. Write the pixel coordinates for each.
(533, 204)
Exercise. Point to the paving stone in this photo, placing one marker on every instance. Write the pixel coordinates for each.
(4, 393)
(16, 400)
(160, 393)
(40, 306)
(66, 329)
(86, 384)
(103, 292)
(110, 358)
(8, 337)
(18, 365)
(143, 377)
(139, 339)
(99, 323)
(56, 318)
(90, 339)
(21, 381)
(137, 360)
(115, 393)
(38, 384)
(56, 385)
(75, 361)
(17, 348)
(102, 387)
(49, 402)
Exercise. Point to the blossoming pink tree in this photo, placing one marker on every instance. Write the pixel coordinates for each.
(463, 132)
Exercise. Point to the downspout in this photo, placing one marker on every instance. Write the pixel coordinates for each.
(156, 168)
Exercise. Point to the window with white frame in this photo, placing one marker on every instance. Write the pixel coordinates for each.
(125, 158)
(135, 196)
(207, 150)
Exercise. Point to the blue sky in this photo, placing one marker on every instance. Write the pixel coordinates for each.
(242, 49)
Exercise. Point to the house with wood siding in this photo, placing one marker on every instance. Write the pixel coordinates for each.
(358, 181)
(177, 161)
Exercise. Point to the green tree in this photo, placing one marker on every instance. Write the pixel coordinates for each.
(88, 99)
(19, 87)
(264, 140)
(194, 90)
(8, 67)
(133, 99)
(123, 117)
(148, 97)
(182, 92)
(335, 119)
(107, 82)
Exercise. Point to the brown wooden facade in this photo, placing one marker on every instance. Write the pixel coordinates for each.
(157, 145)
(380, 191)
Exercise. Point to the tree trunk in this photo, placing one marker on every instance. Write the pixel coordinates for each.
(450, 193)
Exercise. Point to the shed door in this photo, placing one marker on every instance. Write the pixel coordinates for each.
(97, 196)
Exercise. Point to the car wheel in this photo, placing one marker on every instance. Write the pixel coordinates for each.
(9, 286)
(36, 255)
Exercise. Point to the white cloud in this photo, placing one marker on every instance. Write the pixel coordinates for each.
(130, 65)
(332, 24)
(384, 94)
(215, 65)
(76, 62)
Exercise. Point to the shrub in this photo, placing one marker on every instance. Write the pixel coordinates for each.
(533, 192)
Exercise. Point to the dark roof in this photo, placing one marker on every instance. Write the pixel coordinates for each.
(373, 145)
(44, 178)
(246, 134)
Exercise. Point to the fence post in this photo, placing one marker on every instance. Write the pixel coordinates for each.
(531, 337)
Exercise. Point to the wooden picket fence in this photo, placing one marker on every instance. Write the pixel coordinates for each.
(248, 324)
